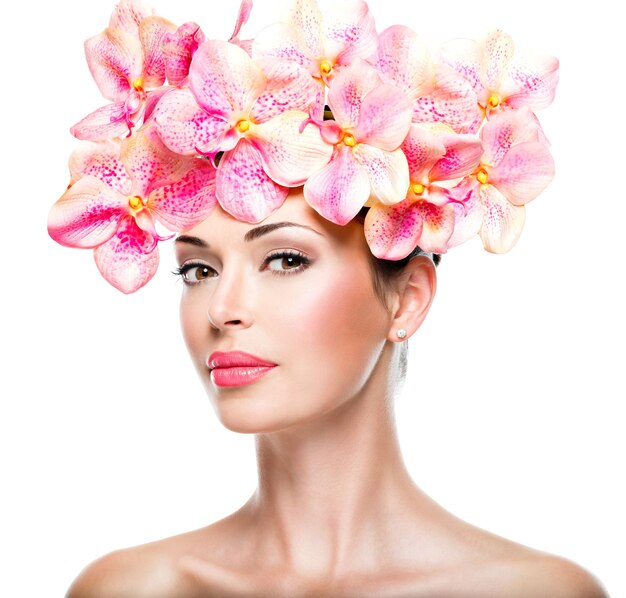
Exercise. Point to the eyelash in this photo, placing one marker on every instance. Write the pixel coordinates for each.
(305, 262)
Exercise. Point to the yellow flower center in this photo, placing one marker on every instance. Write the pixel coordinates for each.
(243, 125)
(325, 67)
(349, 139)
(135, 202)
(418, 188)
(494, 101)
(138, 84)
(482, 176)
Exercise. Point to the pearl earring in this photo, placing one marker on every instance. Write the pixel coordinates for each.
(401, 333)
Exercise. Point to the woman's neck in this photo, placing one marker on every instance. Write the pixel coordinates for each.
(331, 491)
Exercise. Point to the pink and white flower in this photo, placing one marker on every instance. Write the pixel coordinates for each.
(437, 157)
(372, 119)
(253, 117)
(127, 63)
(118, 190)
(501, 76)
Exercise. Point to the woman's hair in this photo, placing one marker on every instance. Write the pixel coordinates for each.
(385, 273)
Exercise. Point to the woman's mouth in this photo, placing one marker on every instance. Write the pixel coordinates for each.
(237, 368)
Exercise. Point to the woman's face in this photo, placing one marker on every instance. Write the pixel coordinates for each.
(295, 292)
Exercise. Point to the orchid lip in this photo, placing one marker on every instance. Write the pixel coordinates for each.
(232, 359)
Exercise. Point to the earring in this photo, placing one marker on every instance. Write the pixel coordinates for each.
(401, 333)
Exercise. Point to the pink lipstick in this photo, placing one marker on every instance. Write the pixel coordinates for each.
(237, 368)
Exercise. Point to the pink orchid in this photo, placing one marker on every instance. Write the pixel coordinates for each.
(320, 42)
(502, 77)
(179, 48)
(254, 118)
(515, 168)
(436, 156)
(126, 61)
(439, 93)
(118, 190)
(371, 121)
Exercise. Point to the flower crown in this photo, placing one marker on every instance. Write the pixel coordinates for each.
(438, 151)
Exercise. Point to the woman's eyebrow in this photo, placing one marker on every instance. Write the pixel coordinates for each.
(197, 241)
(259, 231)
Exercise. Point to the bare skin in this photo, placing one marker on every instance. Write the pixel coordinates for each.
(335, 514)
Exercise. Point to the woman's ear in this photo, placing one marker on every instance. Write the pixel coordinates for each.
(414, 294)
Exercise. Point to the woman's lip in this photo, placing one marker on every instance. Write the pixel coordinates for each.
(240, 375)
(236, 359)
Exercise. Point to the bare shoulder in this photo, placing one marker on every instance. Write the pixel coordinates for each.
(539, 576)
(124, 573)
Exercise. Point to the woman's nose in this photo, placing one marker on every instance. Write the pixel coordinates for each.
(230, 304)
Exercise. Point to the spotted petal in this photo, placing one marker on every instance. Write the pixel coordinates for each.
(437, 226)
(188, 199)
(462, 157)
(290, 156)
(179, 48)
(388, 172)
(100, 160)
(185, 127)
(524, 172)
(404, 59)
(243, 188)
(392, 231)
(536, 76)
(128, 14)
(422, 148)
(282, 41)
(502, 221)
(129, 259)
(224, 80)
(307, 20)
(107, 122)
(498, 51)
(87, 214)
(152, 32)
(115, 60)
(468, 211)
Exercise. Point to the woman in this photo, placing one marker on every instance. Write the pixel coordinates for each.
(298, 332)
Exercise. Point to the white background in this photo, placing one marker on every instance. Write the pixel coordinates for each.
(512, 415)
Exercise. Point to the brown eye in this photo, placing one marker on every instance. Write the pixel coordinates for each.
(194, 273)
(285, 262)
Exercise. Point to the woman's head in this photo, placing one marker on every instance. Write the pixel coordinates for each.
(301, 293)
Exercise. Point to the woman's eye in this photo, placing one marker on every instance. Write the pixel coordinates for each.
(193, 273)
(282, 263)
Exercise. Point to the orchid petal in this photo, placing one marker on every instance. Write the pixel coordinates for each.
(127, 15)
(106, 122)
(422, 148)
(115, 60)
(349, 87)
(451, 100)
(288, 87)
(281, 40)
(243, 188)
(340, 189)
(307, 19)
(404, 58)
(536, 76)
(392, 231)
(506, 129)
(225, 80)
(101, 160)
(437, 226)
(153, 97)
(463, 154)
(468, 211)
(148, 161)
(502, 221)
(290, 156)
(152, 32)
(245, 8)
(388, 172)
(497, 54)
(187, 200)
(126, 260)
(87, 214)
(465, 57)
(349, 32)
(524, 172)
(384, 118)
(179, 48)
(185, 127)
